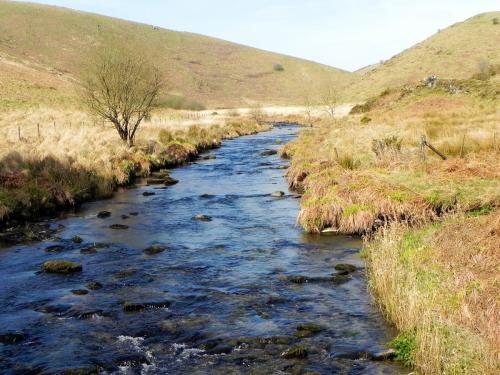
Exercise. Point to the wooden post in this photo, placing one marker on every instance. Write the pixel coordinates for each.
(19, 132)
(38, 129)
(423, 142)
(436, 151)
(336, 153)
(462, 148)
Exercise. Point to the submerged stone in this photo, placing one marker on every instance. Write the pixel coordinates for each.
(308, 329)
(134, 214)
(155, 249)
(205, 218)
(77, 239)
(80, 292)
(103, 214)
(125, 217)
(295, 352)
(349, 268)
(133, 307)
(148, 193)
(54, 249)
(119, 226)
(11, 338)
(268, 153)
(94, 285)
(61, 267)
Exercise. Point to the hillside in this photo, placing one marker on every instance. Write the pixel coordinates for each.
(43, 48)
(457, 52)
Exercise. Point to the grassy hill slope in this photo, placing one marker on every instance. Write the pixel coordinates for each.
(457, 52)
(44, 48)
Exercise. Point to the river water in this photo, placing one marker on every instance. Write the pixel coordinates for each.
(225, 297)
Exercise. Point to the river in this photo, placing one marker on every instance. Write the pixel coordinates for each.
(245, 293)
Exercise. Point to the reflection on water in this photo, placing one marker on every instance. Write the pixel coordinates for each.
(247, 292)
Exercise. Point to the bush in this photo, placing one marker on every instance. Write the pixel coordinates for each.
(349, 162)
(386, 145)
(404, 345)
(365, 120)
(495, 21)
(278, 68)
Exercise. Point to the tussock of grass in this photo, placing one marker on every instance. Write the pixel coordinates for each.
(439, 285)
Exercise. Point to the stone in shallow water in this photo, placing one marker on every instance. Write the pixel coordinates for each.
(278, 194)
(148, 193)
(77, 239)
(205, 218)
(103, 214)
(119, 226)
(349, 268)
(94, 285)
(268, 153)
(80, 292)
(169, 181)
(155, 249)
(54, 249)
(61, 267)
(295, 352)
(11, 338)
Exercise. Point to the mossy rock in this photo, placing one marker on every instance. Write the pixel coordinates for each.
(61, 267)
(80, 292)
(94, 285)
(153, 250)
(295, 352)
(343, 267)
(77, 239)
(268, 153)
(298, 279)
(103, 214)
(133, 307)
(155, 181)
(169, 181)
(309, 328)
(55, 248)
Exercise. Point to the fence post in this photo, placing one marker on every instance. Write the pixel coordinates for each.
(423, 141)
(19, 132)
(462, 148)
(38, 129)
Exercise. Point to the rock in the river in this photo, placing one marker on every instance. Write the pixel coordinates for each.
(169, 181)
(80, 292)
(385, 355)
(134, 214)
(154, 249)
(148, 193)
(298, 279)
(125, 217)
(119, 226)
(11, 338)
(349, 268)
(202, 218)
(54, 249)
(278, 194)
(308, 329)
(61, 267)
(209, 157)
(77, 239)
(133, 307)
(103, 214)
(94, 285)
(268, 153)
(295, 352)
(155, 181)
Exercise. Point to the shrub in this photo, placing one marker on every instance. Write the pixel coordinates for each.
(380, 147)
(404, 345)
(365, 120)
(349, 162)
(278, 68)
(495, 21)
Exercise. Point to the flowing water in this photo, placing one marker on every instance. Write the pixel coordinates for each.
(225, 297)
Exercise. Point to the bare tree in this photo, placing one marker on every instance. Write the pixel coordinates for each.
(308, 110)
(123, 88)
(330, 100)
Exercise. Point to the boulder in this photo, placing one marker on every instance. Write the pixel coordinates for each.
(169, 181)
(11, 338)
(268, 153)
(61, 267)
(77, 239)
(148, 193)
(54, 249)
(343, 267)
(94, 285)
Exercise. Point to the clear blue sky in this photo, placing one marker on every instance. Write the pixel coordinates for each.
(348, 34)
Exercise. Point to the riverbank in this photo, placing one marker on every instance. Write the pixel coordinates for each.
(367, 176)
(66, 166)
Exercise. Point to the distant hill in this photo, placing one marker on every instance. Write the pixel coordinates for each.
(458, 52)
(43, 49)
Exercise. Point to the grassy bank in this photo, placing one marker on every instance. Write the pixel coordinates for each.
(81, 161)
(431, 225)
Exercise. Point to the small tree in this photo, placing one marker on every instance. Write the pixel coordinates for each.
(330, 100)
(123, 88)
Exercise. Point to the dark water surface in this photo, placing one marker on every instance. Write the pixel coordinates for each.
(218, 300)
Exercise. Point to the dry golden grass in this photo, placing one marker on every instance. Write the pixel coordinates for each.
(64, 158)
(440, 287)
